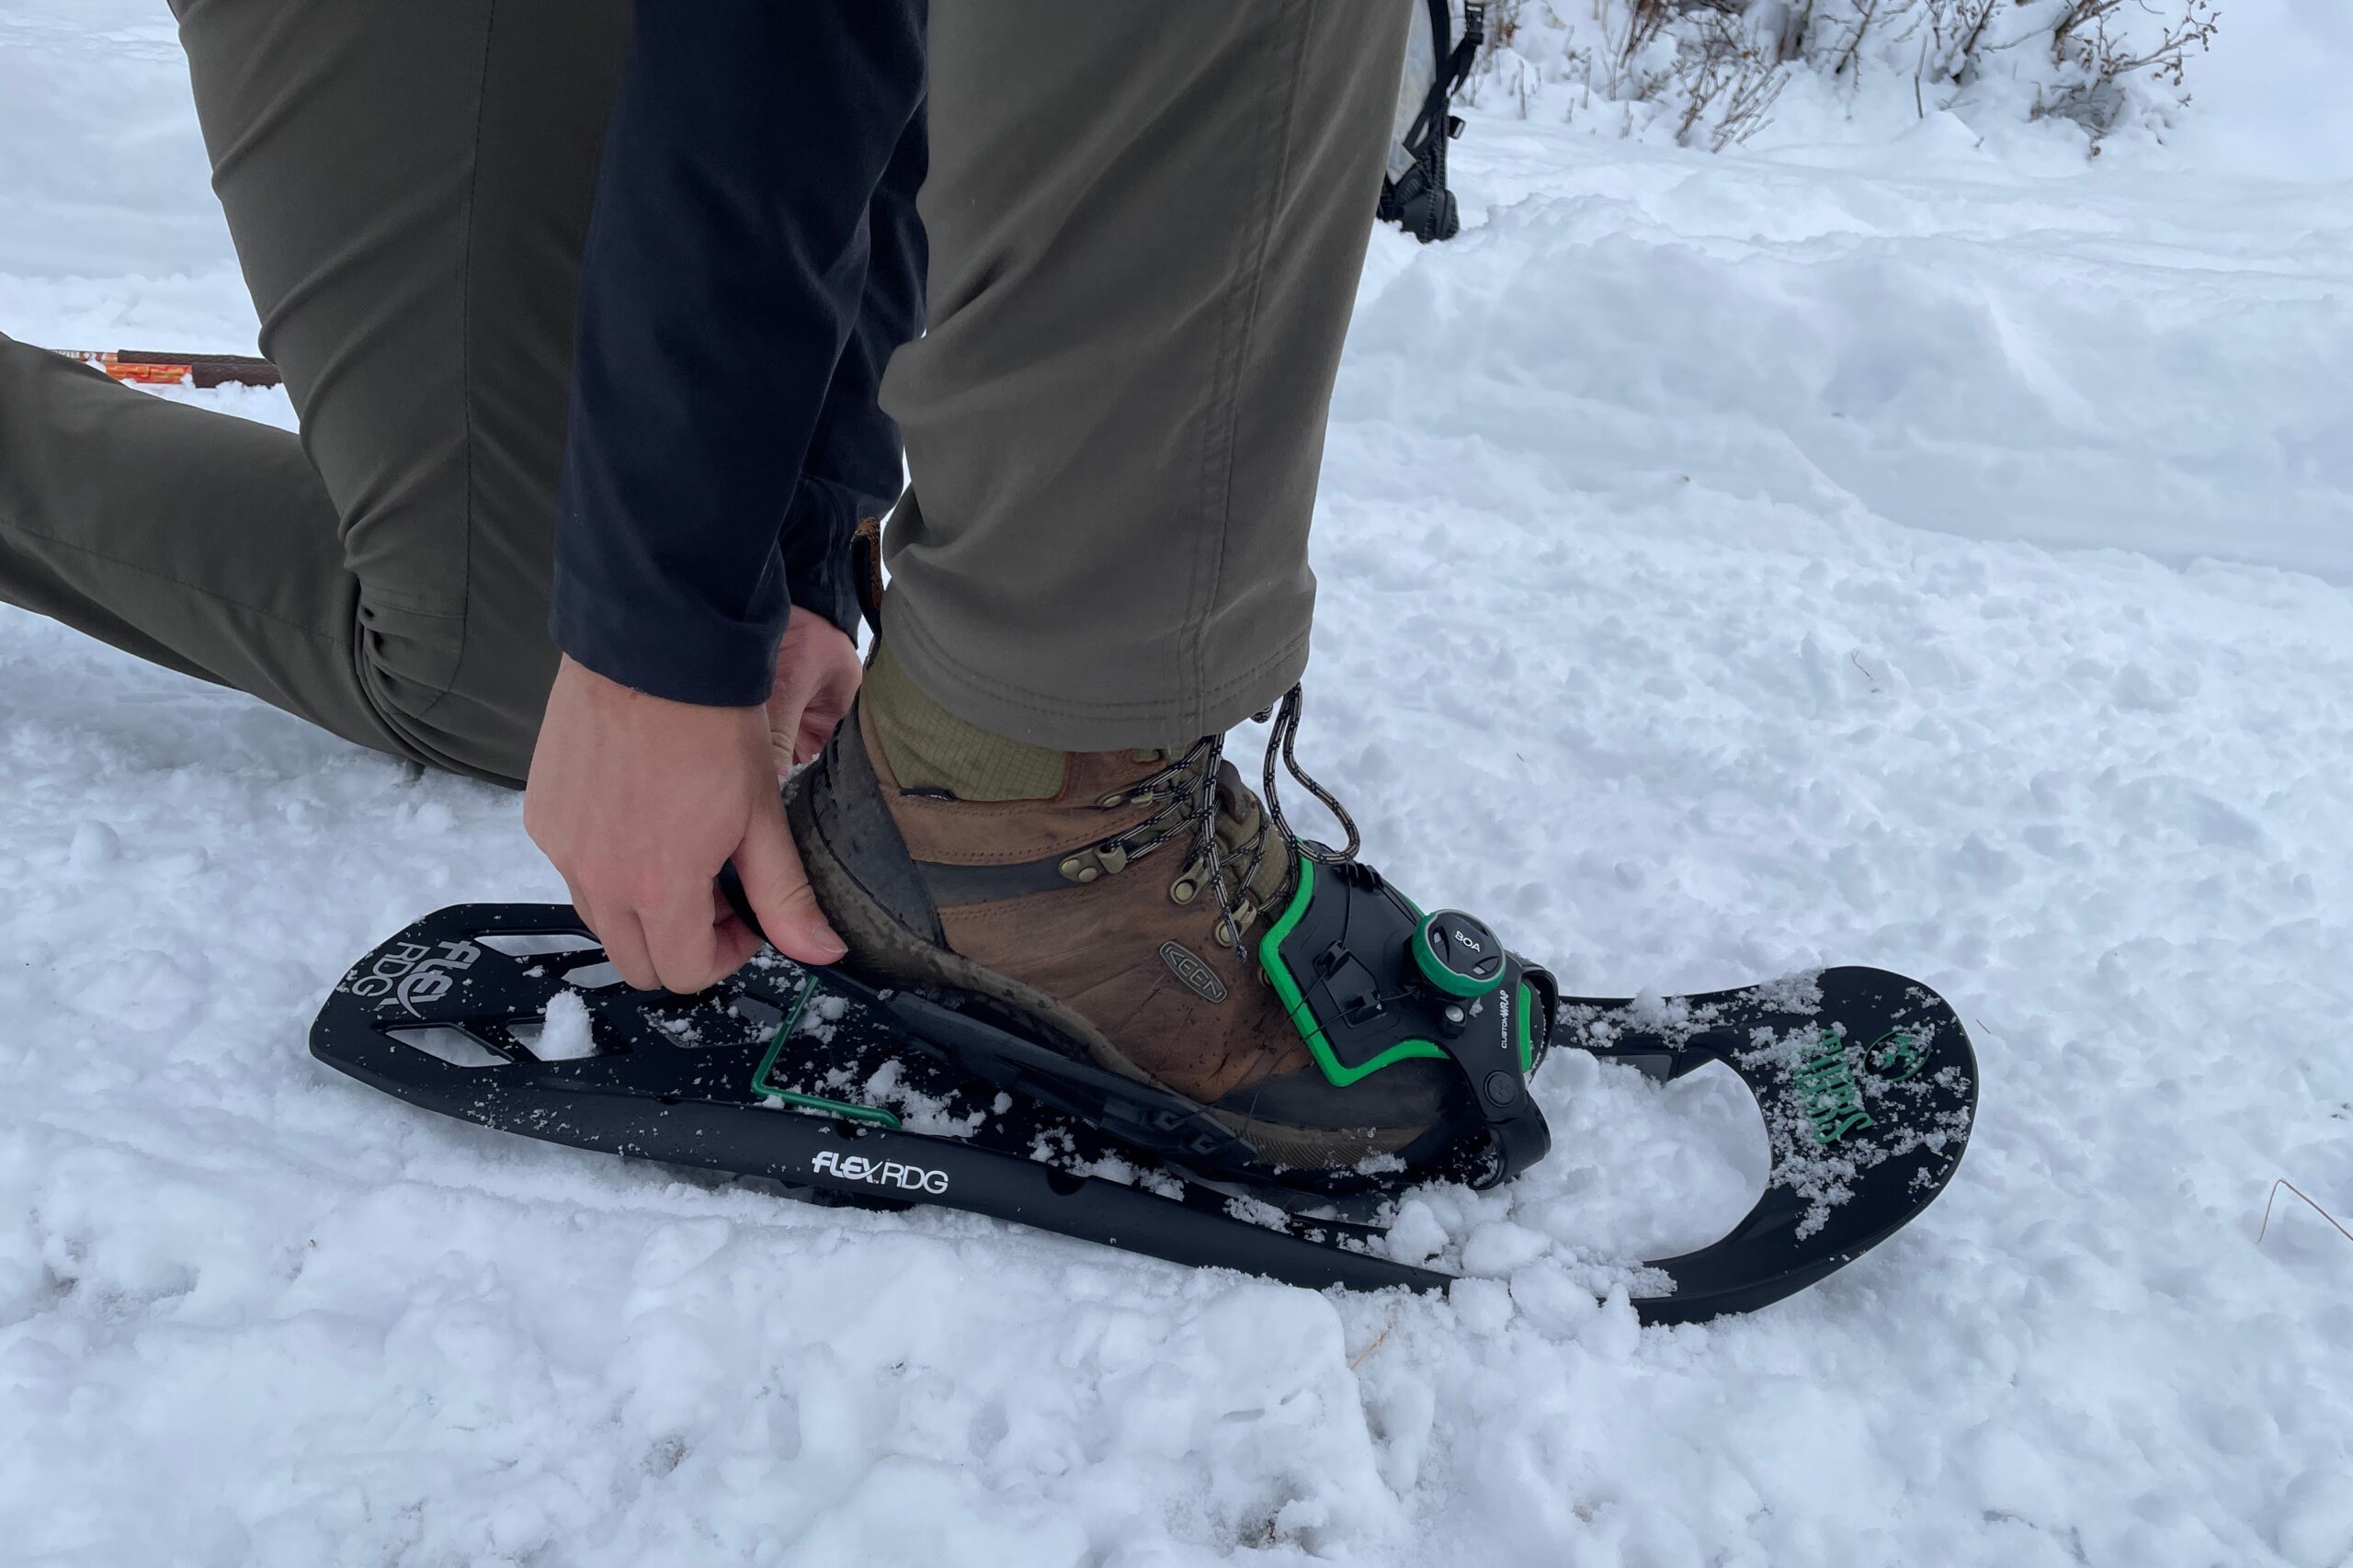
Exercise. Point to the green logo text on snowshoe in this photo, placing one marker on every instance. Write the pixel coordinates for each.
(1827, 1093)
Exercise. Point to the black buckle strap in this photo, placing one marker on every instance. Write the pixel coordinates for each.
(1452, 72)
(1466, 51)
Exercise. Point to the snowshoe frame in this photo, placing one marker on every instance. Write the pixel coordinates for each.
(1866, 1083)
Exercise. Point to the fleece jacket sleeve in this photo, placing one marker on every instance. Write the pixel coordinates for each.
(753, 258)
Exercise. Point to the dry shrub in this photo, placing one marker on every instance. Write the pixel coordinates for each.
(1708, 72)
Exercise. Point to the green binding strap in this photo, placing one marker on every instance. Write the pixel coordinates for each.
(762, 1085)
(1270, 958)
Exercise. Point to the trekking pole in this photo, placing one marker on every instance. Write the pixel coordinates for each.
(150, 367)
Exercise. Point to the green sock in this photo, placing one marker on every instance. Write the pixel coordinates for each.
(930, 748)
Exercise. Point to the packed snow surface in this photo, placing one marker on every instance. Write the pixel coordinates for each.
(1913, 549)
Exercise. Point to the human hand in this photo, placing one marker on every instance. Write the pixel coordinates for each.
(817, 675)
(638, 802)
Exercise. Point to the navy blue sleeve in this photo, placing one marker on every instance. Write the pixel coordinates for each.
(855, 462)
(752, 260)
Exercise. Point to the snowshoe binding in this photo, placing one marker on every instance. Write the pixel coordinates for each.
(1137, 935)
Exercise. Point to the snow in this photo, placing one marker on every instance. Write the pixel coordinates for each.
(565, 1035)
(1892, 544)
(2270, 101)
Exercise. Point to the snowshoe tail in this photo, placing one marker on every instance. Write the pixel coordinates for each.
(1869, 1092)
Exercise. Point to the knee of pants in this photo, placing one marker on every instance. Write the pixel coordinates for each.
(463, 693)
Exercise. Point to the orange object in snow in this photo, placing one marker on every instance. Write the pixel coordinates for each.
(151, 368)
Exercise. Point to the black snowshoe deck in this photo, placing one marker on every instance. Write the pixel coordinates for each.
(1866, 1080)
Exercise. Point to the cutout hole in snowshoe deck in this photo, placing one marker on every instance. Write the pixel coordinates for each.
(763, 1017)
(536, 944)
(445, 1044)
(572, 1039)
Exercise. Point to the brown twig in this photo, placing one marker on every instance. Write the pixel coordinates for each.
(2266, 1226)
(1369, 1349)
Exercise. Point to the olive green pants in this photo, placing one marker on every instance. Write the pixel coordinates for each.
(1146, 223)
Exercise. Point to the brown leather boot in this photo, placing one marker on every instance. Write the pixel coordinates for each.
(1087, 913)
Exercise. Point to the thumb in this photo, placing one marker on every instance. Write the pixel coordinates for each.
(779, 891)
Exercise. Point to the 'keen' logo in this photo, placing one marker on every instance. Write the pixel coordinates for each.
(1197, 976)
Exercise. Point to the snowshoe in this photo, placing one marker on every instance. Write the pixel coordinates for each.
(508, 1016)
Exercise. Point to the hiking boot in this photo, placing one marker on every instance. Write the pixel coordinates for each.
(1077, 896)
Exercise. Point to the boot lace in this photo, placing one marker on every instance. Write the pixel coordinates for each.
(1189, 785)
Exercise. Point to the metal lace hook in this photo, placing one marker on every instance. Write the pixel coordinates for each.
(1201, 765)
